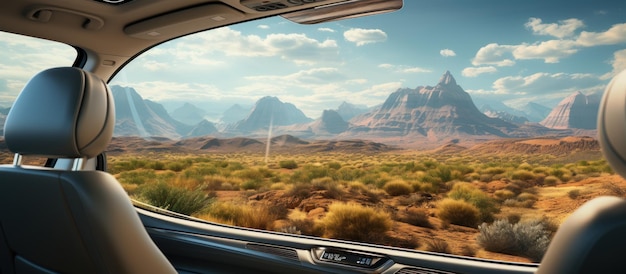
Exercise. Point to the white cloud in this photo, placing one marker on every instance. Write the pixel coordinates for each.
(550, 51)
(504, 55)
(326, 30)
(404, 69)
(615, 35)
(562, 29)
(494, 54)
(359, 81)
(618, 63)
(22, 57)
(474, 72)
(447, 53)
(295, 47)
(414, 70)
(544, 83)
(365, 36)
(263, 26)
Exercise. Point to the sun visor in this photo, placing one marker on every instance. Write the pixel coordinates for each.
(190, 20)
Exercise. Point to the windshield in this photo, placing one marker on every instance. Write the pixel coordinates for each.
(459, 127)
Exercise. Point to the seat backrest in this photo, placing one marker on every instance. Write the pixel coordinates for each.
(60, 220)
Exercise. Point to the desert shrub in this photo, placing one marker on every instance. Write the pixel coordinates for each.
(573, 194)
(443, 172)
(476, 197)
(136, 177)
(177, 199)
(494, 170)
(415, 216)
(258, 216)
(458, 212)
(350, 221)
(541, 170)
(523, 175)
(486, 178)
(529, 239)
(332, 189)
(525, 166)
(155, 165)
(551, 180)
(504, 194)
(288, 164)
(474, 176)
(563, 174)
(299, 190)
(348, 173)
(437, 245)
(176, 166)
(397, 187)
(298, 221)
(334, 165)
(525, 196)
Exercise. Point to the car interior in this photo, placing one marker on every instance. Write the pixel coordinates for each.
(70, 216)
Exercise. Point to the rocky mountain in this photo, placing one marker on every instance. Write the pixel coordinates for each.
(330, 123)
(270, 110)
(234, 114)
(138, 117)
(347, 110)
(578, 111)
(203, 128)
(188, 114)
(535, 112)
(503, 115)
(442, 111)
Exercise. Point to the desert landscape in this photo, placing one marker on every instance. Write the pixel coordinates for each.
(471, 201)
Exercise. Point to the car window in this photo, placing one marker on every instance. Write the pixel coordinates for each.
(449, 126)
(22, 57)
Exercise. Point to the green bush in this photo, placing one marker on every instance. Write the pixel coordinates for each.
(136, 177)
(573, 194)
(469, 193)
(355, 222)
(529, 239)
(523, 175)
(458, 212)
(288, 164)
(173, 198)
(551, 181)
(397, 188)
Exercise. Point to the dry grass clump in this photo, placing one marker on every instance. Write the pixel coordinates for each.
(245, 215)
(350, 221)
(438, 245)
(397, 187)
(469, 193)
(458, 212)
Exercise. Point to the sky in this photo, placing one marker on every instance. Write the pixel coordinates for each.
(501, 51)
